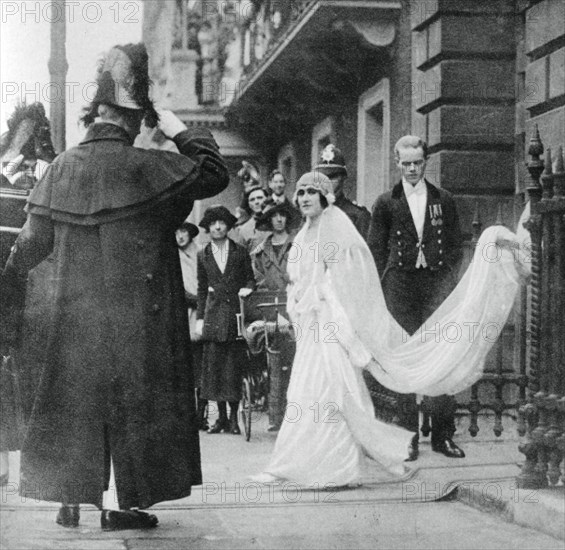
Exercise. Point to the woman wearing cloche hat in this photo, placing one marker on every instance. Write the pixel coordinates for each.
(224, 272)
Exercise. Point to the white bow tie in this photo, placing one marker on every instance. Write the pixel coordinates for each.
(415, 190)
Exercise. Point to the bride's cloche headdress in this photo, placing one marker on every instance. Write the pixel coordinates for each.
(315, 179)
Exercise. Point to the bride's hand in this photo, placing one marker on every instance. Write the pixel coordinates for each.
(522, 257)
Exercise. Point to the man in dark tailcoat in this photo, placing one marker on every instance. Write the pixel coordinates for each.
(416, 241)
(332, 165)
(116, 385)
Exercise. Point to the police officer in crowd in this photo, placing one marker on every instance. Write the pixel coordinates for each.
(332, 165)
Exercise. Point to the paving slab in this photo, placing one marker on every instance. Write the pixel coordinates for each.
(361, 525)
(427, 508)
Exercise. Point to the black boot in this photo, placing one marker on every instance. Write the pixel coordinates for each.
(113, 520)
(68, 516)
(234, 427)
(202, 414)
(222, 424)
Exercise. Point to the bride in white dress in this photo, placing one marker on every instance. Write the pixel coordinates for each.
(342, 325)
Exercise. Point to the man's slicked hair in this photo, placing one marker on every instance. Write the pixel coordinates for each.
(276, 172)
(410, 142)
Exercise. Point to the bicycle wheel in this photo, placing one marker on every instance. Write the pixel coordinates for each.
(246, 404)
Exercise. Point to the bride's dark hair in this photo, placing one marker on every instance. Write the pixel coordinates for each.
(323, 201)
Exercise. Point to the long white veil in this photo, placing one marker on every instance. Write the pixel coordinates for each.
(448, 353)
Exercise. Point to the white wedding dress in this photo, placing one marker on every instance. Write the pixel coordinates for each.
(342, 325)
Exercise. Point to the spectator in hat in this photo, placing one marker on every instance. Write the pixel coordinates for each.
(188, 251)
(249, 178)
(224, 272)
(332, 165)
(270, 257)
(277, 186)
(116, 388)
(26, 149)
(25, 152)
(248, 234)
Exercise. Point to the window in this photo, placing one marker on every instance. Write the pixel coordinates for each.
(322, 134)
(287, 165)
(373, 143)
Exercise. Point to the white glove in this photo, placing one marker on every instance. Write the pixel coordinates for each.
(243, 292)
(40, 169)
(9, 171)
(170, 124)
(199, 326)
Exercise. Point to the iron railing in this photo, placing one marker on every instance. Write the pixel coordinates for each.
(543, 415)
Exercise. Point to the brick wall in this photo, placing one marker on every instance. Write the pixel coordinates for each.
(463, 99)
(544, 49)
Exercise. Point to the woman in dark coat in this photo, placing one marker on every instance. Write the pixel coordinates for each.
(224, 271)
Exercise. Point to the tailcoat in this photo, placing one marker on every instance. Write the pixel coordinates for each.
(413, 294)
(116, 374)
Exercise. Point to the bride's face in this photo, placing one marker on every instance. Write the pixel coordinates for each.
(309, 202)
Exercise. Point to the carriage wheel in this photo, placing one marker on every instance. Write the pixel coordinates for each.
(246, 404)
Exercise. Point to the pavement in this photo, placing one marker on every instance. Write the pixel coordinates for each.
(439, 503)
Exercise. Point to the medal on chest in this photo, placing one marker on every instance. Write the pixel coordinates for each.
(436, 215)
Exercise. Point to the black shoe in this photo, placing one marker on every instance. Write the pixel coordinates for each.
(220, 426)
(234, 426)
(202, 417)
(413, 450)
(68, 516)
(113, 520)
(448, 448)
(273, 428)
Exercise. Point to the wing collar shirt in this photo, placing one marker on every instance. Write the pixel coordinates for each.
(417, 196)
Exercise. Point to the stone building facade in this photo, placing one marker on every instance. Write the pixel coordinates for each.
(472, 78)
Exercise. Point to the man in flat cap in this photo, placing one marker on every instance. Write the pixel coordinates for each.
(332, 165)
(116, 386)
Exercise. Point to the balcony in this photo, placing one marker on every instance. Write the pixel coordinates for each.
(299, 57)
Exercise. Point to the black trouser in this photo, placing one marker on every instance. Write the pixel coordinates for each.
(411, 297)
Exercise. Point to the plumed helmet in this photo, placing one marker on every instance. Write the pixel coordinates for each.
(123, 80)
(29, 134)
(331, 161)
(249, 175)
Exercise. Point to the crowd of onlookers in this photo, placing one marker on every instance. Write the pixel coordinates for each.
(244, 253)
